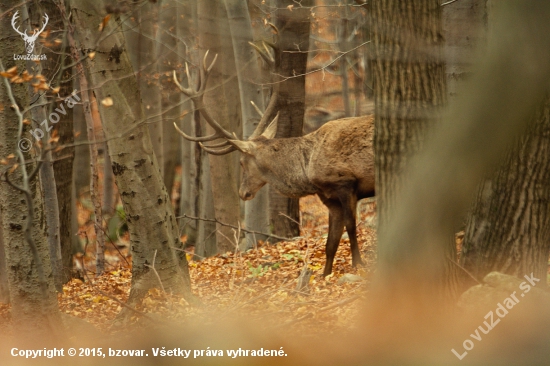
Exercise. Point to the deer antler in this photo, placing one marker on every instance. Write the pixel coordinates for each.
(15, 16)
(271, 60)
(196, 95)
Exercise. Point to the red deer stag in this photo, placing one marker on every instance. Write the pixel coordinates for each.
(336, 162)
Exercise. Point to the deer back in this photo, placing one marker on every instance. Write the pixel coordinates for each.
(343, 155)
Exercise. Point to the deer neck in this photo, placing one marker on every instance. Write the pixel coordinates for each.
(285, 165)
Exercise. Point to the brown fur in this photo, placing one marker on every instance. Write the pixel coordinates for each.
(336, 162)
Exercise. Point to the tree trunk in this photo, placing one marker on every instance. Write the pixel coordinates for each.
(479, 128)
(62, 159)
(409, 90)
(108, 197)
(224, 104)
(256, 213)
(169, 60)
(507, 229)
(32, 294)
(81, 163)
(464, 29)
(140, 32)
(150, 217)
(294, 29)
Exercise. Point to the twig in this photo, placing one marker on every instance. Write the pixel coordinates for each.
(465, 270)
(120, 302)
(232, 226)
(152, 266)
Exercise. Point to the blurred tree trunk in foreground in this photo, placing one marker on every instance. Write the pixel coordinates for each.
(410, 92)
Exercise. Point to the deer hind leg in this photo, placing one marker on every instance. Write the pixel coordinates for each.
(335, 230)
(349, 208)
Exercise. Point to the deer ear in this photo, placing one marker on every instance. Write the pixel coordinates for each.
(246, 147)
(271, 130)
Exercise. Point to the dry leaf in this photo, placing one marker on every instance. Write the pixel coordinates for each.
(107, 102)
(104, 22)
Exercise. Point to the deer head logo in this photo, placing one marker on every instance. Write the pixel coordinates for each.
(29, 40)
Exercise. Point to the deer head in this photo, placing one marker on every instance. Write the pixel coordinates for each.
(29, 40)
(251, 180)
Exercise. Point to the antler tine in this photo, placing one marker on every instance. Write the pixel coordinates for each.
(264, 54)
(196, 95)
(222, 151)
(220, 144)
(258, 110)
(212, 63)
(186, 91)
(212, 137)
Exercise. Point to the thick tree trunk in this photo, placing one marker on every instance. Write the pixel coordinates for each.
(62, 159)
(32, 293)
(464, 29)
(479, 128)
(409, 90)
(507, 230)
(81, 163)
(224, 104)
(294, 29)
(150, 217)
(140, 32)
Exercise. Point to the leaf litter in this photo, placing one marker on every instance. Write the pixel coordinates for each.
(259, 283)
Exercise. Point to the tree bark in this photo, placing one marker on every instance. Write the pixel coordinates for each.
(409, 90)
(256, 212)
(32, 293)
(62, 159)
(140, 33)
(478, 130)
(507, 228)
(464, 29)
(294, 29)
(150, 217)
(169, 60)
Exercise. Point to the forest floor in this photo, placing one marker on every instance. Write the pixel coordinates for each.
(260, 283)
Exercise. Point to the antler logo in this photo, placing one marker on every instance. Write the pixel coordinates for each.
(29, 40)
